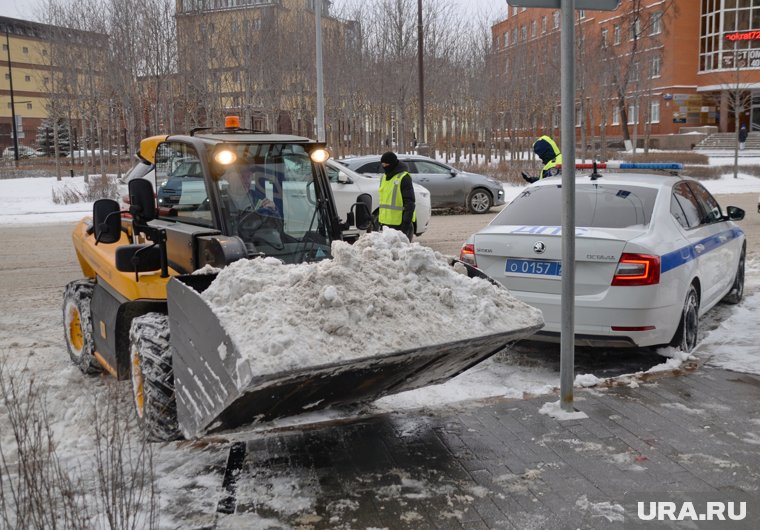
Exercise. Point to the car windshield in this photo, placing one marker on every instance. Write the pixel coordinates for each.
(268, 198)
(596, 206)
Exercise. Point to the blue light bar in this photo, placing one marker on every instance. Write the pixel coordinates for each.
(669, 166)
(650, 165)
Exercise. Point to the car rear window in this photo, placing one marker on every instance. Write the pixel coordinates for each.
(596, 205)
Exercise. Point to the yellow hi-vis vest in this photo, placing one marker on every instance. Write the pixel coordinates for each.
(556, 161)
(391, 202)
(551, 165)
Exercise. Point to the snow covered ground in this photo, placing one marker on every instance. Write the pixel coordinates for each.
(187, 475)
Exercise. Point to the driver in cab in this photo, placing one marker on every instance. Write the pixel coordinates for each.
(246, 196)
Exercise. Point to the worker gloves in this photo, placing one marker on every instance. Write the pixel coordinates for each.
(528, 178)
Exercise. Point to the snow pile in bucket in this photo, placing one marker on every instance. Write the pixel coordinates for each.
(377, 296)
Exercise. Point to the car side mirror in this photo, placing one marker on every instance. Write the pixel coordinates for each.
(142, 200)
(454, 172)
(362, 210)
(735, 213)
(106, 221)
(344, 179)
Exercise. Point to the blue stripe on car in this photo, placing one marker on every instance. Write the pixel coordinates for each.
(683, 255)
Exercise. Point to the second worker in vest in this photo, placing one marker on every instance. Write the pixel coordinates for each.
(548, 152)
(397, 207)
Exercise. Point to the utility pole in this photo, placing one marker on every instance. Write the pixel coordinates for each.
(13, 103)
(320, 75)
(421, 145)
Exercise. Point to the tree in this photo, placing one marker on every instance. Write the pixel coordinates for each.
(641, 25)
(53, 136)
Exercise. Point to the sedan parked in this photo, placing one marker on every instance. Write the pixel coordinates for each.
(653, 254)
(347, 185)
(448, 186)
(23, 152)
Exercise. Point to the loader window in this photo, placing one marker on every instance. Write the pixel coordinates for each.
(180, 187)
(270, 201)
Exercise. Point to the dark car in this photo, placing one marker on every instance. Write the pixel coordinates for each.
(184, 185)
(448, 186)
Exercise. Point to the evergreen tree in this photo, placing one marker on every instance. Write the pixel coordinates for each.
(45, 137)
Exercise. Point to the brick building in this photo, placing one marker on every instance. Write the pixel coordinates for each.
(670, 64)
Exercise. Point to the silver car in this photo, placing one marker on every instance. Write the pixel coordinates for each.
(448, 186)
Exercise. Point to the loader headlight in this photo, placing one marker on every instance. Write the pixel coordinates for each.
(225, 157)
(318, 156)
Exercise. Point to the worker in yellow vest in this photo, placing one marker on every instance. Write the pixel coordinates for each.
(548, 152)
(397, 206)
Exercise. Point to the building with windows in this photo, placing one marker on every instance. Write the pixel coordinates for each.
(256, 58)
(25, 63)
(656, 65)
(44, 67)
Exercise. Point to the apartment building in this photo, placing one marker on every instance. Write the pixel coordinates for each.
(256, 58)
(657, 65)
(24, 62)
(47, 67)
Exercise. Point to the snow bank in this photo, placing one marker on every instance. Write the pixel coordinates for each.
(379, 295)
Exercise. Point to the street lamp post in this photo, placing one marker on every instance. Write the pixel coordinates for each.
(13, 103)
(421, 145)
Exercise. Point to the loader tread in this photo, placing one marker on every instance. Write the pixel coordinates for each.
(77, 325)
(153, 376)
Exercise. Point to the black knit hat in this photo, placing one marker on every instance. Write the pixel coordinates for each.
(389, 158)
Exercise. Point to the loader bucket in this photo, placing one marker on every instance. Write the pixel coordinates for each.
(205, 369)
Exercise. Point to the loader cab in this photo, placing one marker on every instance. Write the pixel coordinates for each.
(266, 191)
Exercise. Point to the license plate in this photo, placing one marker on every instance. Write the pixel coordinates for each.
(533, 267)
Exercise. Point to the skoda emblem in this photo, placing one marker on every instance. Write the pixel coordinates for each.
(539, 247)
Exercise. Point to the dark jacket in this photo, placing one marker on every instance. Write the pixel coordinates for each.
(407, 191)
(743, 134)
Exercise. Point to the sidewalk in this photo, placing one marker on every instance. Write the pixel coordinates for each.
(501, 464)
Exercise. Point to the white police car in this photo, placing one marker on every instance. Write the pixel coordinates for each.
(653, 253)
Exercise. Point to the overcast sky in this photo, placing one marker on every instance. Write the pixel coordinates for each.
(25, 9)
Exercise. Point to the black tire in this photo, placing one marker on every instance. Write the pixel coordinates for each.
(687, 334)
(736, 294)
(77, 326)
(479, 201)
(153, 377)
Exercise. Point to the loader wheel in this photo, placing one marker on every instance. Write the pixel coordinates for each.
(153, 377)
(77, 326)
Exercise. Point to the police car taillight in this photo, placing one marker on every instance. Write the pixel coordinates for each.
(467, 255)
(637, 269)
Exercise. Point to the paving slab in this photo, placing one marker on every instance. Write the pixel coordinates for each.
(502, 464)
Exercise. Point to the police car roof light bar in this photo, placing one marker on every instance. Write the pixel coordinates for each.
(669, 166)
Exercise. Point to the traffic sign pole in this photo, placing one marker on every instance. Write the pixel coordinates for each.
(567, 80)
(567, 337)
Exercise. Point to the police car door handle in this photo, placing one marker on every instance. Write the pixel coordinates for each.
(699, 247)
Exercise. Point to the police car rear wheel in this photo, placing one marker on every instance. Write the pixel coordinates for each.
(687, 333)
(736, 293)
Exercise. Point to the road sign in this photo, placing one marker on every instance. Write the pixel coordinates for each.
(595, 5)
